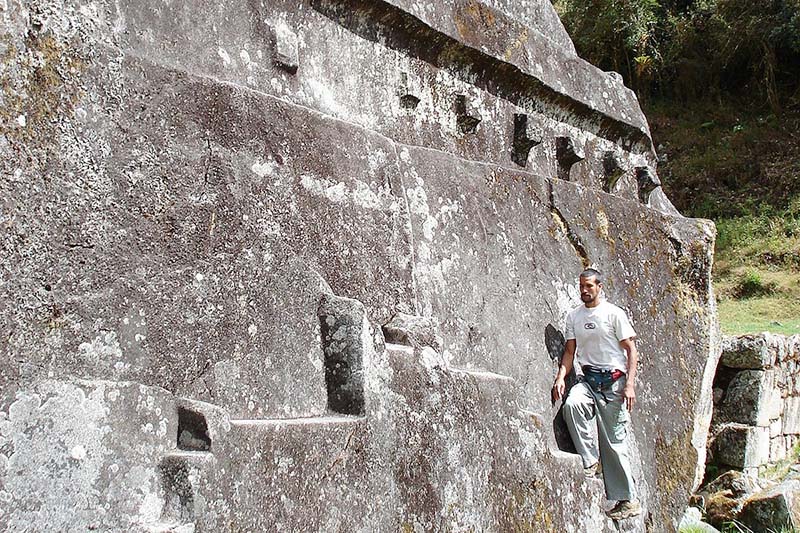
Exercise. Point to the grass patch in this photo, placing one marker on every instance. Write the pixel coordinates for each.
(754, 315)
(753, 299)
(692, 529)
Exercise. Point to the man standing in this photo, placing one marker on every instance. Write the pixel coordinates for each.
(601, 336)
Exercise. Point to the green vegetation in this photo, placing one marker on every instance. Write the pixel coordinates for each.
(692, 529)
(720, 85)
(692, 49)
(781, 469)
(738, 527)
(741, 168)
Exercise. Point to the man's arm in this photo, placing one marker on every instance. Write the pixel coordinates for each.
(567, 360)
(629, 393)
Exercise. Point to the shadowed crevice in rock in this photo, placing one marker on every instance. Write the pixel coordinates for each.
(568, 152)
(555, 342)
(178, 493)
(341, 327)
(648, 181)
(561, 220)
(613, 170)
(466, 117)
(398, 29)
(192, 431)
(409, 101)
(526, 136)
(561, 432)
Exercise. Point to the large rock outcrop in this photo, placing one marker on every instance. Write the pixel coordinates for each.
(210, 208)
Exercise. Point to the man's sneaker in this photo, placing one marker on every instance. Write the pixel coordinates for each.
(596, 470)
(625, 509)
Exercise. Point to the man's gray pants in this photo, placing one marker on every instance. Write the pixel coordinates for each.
(583, 408)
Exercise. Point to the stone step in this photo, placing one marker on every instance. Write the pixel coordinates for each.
(189, 456)
(171, 527)
(483, 375)
(336, 420)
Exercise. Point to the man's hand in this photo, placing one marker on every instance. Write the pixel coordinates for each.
(629, 396)
(558, 389)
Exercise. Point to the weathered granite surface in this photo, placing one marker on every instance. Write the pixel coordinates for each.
(208, 211)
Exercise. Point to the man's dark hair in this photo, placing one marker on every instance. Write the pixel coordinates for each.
(590, 272)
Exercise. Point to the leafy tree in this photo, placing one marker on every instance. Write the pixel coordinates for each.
(693, 48)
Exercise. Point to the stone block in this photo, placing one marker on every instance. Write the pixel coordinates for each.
(721, 509)
(733, 483)
(791, 416)
(749, 351)
(777, 449)
(693, 519)
(775, 428)
(742, 446)
(751, 398)
(416, 331)
(793, 348)
(775, 509)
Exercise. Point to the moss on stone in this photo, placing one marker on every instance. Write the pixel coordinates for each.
(674, 470)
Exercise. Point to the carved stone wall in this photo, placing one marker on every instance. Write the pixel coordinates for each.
(209, 211)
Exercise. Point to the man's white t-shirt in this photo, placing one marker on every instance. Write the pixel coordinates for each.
(597, 332)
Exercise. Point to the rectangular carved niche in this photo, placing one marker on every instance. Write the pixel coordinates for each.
(342, 324)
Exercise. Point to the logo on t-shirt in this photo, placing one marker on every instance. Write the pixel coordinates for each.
(590, 325)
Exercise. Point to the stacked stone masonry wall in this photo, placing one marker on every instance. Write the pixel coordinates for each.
(756, 420)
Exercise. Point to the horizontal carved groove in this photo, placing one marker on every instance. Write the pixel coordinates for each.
(380, 21)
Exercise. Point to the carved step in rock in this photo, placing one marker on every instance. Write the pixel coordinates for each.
(466, 117)
(407, 99)
(648, 181)
(287, 55)
(568, 152)
(613, 170)
(307, 421)
(412, 330)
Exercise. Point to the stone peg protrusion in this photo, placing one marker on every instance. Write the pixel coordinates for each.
(568, 152)
(648, 181)
(287, 55)
(613, 170)
(466, 117)
(416, 331)
(526, 136)
(407, 99)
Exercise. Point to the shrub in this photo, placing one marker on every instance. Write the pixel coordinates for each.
(751, 284)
